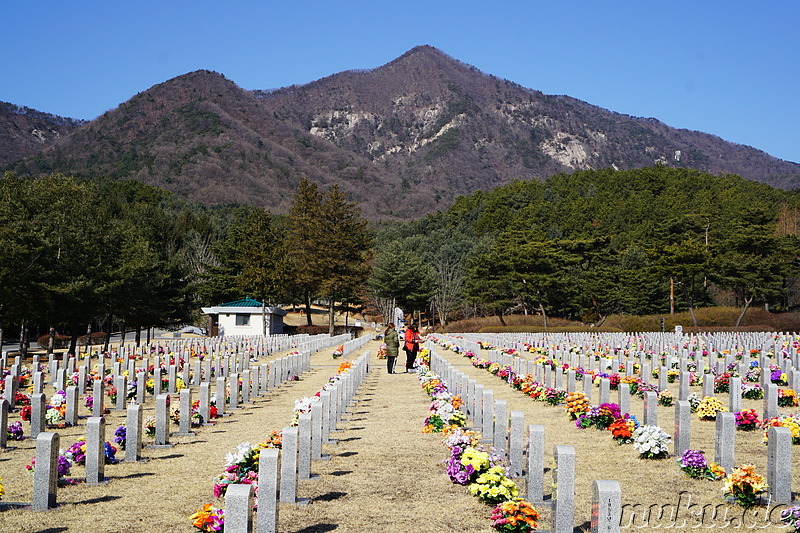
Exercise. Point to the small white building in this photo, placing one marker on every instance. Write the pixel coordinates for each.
(244, 317)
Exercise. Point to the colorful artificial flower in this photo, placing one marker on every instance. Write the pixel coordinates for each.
(787, 398)
(708, 408)
(651, 442)
(744, 486)
(747, 420)
(665, 398)
(791, 421)
(577, 404)
(791, 518)
(514, 516)
(208, 518)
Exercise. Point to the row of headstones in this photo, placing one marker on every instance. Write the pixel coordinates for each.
(256, 383)
(546, 375)
(785, 354)
(47, 443)
(300, 446)
(354, 344)
(674, 344)
(479, 404)
(490, 417)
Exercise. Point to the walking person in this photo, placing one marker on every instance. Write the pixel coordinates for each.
(392, 342)
(411, 346)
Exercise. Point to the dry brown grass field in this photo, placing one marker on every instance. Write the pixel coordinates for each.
(384, 474)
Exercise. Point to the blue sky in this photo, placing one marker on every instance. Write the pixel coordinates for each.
(727, 68)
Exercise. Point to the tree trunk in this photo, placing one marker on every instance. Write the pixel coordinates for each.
(264, 318)
(148, 335)
(23, 339)
(691, 313)
(73, 341)
(51, 343)
(500, 316)
(122, 333)
(544, 314)
(107, 329)
(330, 317)
(138, 337)
(747, 302)
(308, 310)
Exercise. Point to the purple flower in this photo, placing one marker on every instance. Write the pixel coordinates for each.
(693, 459)
(63, 466)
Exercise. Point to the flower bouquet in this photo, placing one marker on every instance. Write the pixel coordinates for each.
(744, 486)
(208, 518)
(63, 467)
(622, 429)
(494, 486)
(600, 416)
(672, 375)
(514, 516)
(752, 391)
(709, 407)
(651, 442)
(555, 396)
(120, 437)
(338, 352)
(722, 382)
(791, 517)
(787, 398)
(149, 426)
(747, 420)
(694, 464)
(382, 351)
(791, 421)
(241, 466)
(14, 431)
(577, 404)
(665, 398)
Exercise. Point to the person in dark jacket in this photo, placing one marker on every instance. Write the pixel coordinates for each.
(392, 346)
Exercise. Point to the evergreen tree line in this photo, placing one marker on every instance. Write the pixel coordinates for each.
(82, 255)
(588, 244)
(87, 255)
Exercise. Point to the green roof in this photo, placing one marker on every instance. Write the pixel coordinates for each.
(245, 302)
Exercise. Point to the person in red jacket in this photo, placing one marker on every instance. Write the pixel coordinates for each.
(411, 346)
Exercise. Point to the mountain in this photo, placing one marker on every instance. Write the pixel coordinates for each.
(403, 139)
(25, 131)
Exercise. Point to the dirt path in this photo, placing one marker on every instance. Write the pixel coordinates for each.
(384, 473)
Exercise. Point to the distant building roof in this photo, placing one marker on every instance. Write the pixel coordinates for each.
(244, 302)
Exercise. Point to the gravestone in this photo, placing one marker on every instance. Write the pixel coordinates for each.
(779, 465)
(605, 390)
(204, 407)
(239, 508)
(708, 385)
(162, 420)
(650, 408)
(185, 424)
(45, 475)
(770, 401)
(516, 443)
(534, 485)
(500, 429)
(683, 386)
(488, 411)
(724, 441)
(267, 514)
(97, 397)
(735, 395)
(288, 477)
(682, 434)
(606, 507)
(624, 397)
(246, 386)
(316, 430)
(221, 394)
(564, 489)
(141, 381)
(120, 382)
(304, 446)
(95, 450)
(234, 384)
(133, 433)
(3, 423)
(38, 408)
(662, 378)
(72, 406)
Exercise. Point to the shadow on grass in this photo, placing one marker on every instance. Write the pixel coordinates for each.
(329, 497)
(106, 498)
(348, 439)
(341, 472)
(347, 454)
(357, 428)
(318, 528)
(137, 474)
(53, 530)
(170, 456)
